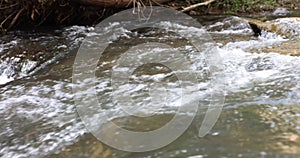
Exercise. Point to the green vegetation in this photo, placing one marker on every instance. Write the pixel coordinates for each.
(247, 6)
(16, 13)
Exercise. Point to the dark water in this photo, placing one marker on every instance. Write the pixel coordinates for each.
(260, 118)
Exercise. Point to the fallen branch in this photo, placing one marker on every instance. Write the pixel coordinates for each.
(197, 5)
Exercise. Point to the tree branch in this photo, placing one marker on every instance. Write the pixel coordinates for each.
(197, 5)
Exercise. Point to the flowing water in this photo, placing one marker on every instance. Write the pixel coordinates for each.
(260, 118)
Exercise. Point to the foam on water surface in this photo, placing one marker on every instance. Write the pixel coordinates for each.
(40, 117)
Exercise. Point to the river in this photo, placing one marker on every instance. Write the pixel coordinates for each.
(260, 117)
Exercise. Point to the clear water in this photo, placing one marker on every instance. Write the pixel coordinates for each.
(261, 115)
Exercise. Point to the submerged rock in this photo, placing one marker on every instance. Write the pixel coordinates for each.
(258, 64)
(24, 53)
(232, 23)
(287, 27)
(288, 48)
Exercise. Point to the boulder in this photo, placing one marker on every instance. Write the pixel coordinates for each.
(287, 27)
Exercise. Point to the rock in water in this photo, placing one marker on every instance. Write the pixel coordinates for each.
(259, 64)
(281, 12)
(288, 27)
(256, 29)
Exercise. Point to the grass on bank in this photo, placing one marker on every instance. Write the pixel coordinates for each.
(18, 13)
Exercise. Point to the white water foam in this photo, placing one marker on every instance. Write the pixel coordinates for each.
(49, 102)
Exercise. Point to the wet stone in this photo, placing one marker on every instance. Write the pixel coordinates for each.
(259, 64)
(286, 27)
(281, 12)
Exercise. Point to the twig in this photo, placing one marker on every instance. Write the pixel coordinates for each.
(151, 11)
(1, 3)
(8, 17)
(45, 17)
(65, 18)
(10, 6)
(15, 18)
(129, 3)
(197, 5)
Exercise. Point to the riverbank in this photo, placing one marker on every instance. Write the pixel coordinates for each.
(18, 14)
